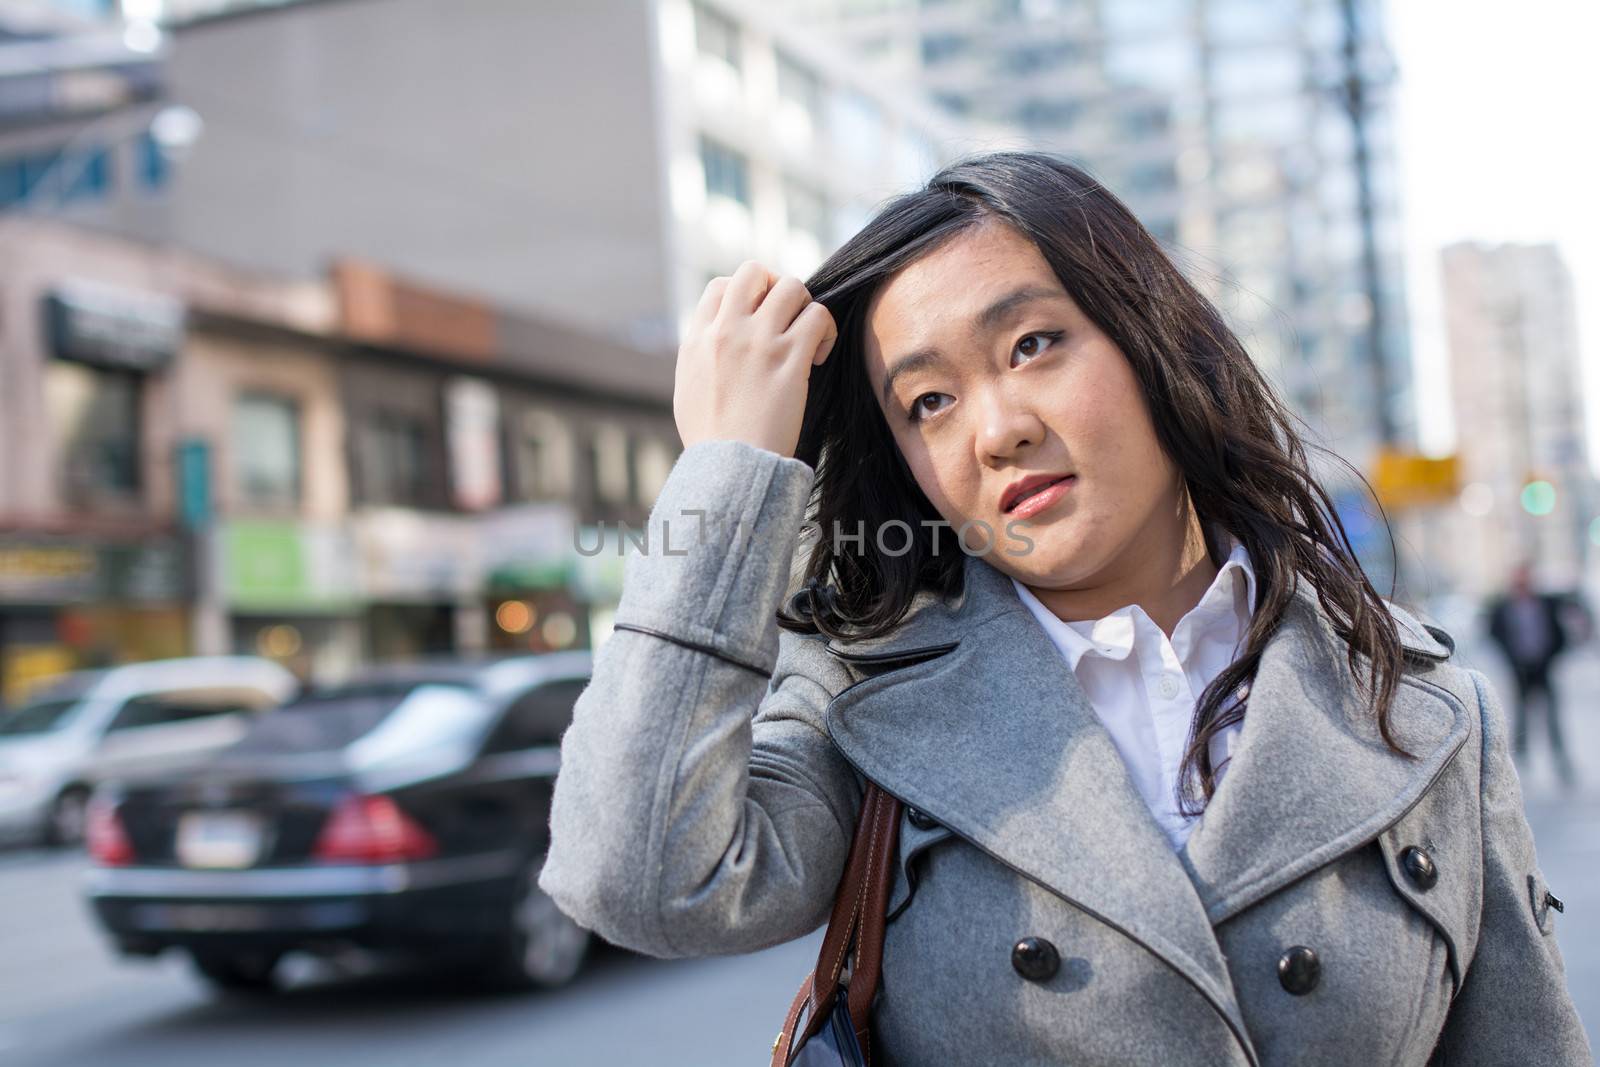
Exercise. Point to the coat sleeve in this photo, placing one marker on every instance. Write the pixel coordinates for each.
(1514, 1006)
(701, 807)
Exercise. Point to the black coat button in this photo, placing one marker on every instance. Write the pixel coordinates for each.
(1035, 959)
(1299, 970)
(920, 820)
(1419, 867)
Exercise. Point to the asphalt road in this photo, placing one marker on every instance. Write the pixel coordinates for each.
(66, 1001)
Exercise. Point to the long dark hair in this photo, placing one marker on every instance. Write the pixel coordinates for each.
(1243, 462)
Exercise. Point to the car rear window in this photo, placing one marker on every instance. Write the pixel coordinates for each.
(336, 718)
(39, 717)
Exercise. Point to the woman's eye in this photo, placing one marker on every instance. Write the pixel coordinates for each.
(918, 409)
(1049, 336)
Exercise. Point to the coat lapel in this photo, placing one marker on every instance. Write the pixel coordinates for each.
(1311, 778)
(973, 717)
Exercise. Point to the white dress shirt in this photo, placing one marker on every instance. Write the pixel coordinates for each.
(1144, 687)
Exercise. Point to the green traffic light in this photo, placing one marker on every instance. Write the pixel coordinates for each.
(1538, 498)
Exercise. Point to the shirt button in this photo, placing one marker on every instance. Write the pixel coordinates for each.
(1169, 686)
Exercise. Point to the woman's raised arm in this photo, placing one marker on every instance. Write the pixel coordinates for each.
(701, 807)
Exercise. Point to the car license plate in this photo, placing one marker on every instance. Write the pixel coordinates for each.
(200, 917)
(219, 839)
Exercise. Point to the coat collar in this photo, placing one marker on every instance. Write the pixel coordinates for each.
(1311, 777)
(933, 624)
(970, 714)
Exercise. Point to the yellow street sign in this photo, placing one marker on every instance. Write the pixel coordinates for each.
(1407, 479)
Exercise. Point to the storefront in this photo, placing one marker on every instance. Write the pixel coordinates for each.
(501, 580)
(529, 567)
(291, 593)
(69, 602)
(524, 617)
(420, 574)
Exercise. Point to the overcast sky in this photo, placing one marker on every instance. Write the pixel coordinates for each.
(1497, 138)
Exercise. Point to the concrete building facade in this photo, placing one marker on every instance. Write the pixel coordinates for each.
(593, 162)
(1517, 398)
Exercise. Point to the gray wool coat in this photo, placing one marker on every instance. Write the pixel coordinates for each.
(712, 774)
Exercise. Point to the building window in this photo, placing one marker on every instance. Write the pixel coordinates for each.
(1237, 22)
(807, 211)
(938, 48)
(717, 35)
(266, 450)
(395, 465)
(611, 464)
(56, 177)
(653, 462)
(1145, 121)
(1151, 177)
(1050, 56)
(154, 168)
(1048, 112)
(95, 414)
(727, 173)
(541, 457)
(88, 9)
(799, 85)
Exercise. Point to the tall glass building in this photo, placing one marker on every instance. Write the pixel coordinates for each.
(1227, 126)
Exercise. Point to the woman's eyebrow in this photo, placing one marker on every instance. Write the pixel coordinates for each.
(983, 322)
(997, 312)
(922, 357)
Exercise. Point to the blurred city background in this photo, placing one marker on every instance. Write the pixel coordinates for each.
(336, 355)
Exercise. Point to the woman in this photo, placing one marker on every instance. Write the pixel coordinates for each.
(1181, 788)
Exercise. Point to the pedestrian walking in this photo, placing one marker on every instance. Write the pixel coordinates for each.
(994, 513)
(1529, 629)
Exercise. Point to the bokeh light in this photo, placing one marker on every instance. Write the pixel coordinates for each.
(1539, 498)
(515, 617)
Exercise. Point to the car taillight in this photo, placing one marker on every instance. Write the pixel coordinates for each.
(366, 829)
(103, 831)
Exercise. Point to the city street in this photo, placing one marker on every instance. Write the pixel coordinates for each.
(64, 1000)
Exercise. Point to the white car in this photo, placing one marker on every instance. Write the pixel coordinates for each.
(90, 726)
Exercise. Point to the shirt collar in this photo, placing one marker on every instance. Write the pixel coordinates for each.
(1112, 636)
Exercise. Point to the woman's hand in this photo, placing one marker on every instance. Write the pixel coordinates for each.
(746, 360)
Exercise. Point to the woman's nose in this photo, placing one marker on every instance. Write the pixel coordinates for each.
(1009, 423)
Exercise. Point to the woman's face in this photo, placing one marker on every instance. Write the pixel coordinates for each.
(995, 375)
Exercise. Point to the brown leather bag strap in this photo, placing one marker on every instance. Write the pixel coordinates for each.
(870, 929)
(780, 1047)
(859, 907)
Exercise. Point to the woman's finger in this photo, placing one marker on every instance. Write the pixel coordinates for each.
(784, 301)
(813, 332)
(710, 302)
(746, 289)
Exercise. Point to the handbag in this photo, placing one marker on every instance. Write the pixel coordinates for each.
(837, 1030)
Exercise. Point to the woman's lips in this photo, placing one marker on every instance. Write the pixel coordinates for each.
(1042, 498)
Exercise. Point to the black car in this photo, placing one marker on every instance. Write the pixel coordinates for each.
(405, 809)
